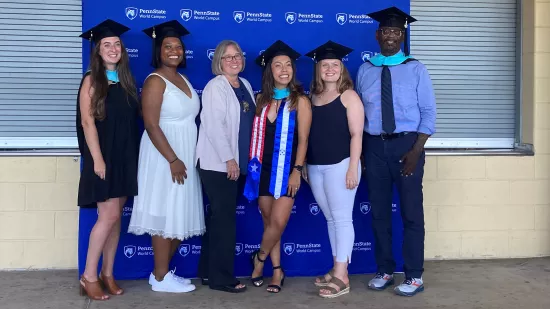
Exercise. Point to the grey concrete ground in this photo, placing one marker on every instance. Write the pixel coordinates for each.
(499, 284)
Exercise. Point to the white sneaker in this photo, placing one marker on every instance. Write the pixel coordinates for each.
(381, 281)
(178, 278)
(410, 287)
(170, 284)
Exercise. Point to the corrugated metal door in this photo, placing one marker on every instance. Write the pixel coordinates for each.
(470, 50)
(40, 71)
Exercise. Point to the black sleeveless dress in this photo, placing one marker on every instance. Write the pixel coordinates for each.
(118, 136)
(267, 159)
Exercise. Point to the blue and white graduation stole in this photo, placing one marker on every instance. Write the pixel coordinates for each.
(282, 152)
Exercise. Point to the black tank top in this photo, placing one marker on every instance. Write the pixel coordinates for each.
(329, 136)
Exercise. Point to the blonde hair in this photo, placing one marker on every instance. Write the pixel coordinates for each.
(344, 82)
(218, 54)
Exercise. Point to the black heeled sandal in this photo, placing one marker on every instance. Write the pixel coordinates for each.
(277, 288)
(257, 281)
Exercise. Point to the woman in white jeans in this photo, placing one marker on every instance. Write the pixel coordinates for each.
(333, 166)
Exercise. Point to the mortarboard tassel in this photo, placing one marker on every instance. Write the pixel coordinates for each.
(407, 51)
(154, 62)
(91, 42)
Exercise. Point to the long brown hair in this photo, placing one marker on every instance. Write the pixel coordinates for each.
(100, 83)
(268, 83)
(344, 82)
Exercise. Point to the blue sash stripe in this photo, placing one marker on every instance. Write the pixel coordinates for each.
(276, 170)
(288, 157)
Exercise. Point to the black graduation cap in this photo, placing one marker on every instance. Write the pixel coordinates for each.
(105, 29)
(329, 50)
(276, 49)
(394, 17)
(169, 29)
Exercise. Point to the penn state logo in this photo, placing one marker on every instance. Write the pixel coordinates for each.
(131, 12)
(184, 249)
(238, 16)
(341, 18)
(129, 251)
(210, 53)
(364, 207)
(314, 209)
(289, 248)
(238, 248)
(290, 17)
(366, 55)
(186, 14)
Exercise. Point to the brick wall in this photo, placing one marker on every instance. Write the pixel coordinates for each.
(38, 212)
(487, 207)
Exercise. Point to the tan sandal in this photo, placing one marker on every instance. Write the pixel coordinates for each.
(323, 281)
(109, 283)
(92, 289)
(341, 289)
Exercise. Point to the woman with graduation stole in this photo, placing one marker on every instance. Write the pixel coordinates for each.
(108, 140)
(333, 155)
(277, 153)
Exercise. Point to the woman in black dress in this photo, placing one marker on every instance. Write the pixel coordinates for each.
(280, 135)
(108, 139)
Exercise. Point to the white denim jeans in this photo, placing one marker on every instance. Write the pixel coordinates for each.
(328, 184)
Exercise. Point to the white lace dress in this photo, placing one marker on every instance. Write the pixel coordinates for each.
(162, 207)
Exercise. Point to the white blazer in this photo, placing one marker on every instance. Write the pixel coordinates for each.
(218, 140)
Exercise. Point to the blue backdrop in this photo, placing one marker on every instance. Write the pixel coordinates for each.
(254, 25)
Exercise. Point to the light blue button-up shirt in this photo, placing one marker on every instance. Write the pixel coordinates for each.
(413, 98)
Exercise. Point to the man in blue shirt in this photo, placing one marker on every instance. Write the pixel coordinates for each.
(400, 111)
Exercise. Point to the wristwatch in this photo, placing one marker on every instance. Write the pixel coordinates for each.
(298, 167)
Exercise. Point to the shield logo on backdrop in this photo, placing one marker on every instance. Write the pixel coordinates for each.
(290, 17)
(238, 16)
(289, 248)
(341, 18)
(186, 14)
(364, 207)
(210, 53)
(129, 251)
(131, 13)
(314, 209)
(238, 248)
(184, 249)
(366, 55)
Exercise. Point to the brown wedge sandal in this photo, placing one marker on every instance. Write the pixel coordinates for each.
(340, 289)
(110, 284)
(92, 289)
(323, 281)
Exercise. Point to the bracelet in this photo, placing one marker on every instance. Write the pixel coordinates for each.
(298, 167)
(174, 160)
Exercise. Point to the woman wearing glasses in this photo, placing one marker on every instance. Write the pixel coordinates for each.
(228, 108)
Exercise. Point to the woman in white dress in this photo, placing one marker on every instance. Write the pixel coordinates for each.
(169, 205)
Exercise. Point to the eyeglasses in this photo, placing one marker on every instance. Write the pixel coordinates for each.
(388, 31)
(237, 57)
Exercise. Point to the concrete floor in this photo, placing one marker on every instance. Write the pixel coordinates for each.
(487, 284)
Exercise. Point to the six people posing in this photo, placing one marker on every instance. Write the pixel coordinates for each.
(257, 147)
